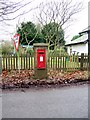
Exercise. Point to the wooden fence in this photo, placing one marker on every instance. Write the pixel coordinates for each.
(68, 63)
(12, 62)
(61, 63)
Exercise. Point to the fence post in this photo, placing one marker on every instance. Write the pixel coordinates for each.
(0, 64)
(82, 61)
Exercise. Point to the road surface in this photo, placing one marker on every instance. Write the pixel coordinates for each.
(66, 102)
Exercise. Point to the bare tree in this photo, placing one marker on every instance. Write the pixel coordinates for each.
(11, 10)
(8, 8)
(61, 12)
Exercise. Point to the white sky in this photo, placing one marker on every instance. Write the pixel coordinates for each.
(77, 26)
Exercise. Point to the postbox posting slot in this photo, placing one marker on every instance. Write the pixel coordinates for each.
(41, 52)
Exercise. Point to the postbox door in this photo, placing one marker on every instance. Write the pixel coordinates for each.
(41, 58)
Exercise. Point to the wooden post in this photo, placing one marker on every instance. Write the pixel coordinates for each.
(82, 61)
(65, 64)
(0, 64)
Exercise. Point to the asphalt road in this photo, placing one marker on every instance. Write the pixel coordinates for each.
(66, 102)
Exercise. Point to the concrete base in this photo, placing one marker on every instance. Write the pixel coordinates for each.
(41, 74)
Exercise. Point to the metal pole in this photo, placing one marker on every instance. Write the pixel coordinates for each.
(89, 54)
(88, 41)
(0, 64)
(88, 58)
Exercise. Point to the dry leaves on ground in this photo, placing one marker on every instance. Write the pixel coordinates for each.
(26, 78)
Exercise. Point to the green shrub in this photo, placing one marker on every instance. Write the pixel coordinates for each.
(6, 48)
(30, 51)
(58, 52)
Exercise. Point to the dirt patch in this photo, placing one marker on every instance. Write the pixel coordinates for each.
(25, 79)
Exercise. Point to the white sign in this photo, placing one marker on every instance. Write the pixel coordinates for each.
(41, 58)
(16, 41)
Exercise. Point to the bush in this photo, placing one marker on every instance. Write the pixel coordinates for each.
(30, 51)
(58, 52)
(25, 51)
(6, 48)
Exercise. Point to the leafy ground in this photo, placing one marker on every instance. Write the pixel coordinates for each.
(25, 79)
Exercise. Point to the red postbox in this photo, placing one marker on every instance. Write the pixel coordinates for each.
(41, 58)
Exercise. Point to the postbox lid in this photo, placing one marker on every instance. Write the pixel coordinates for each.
(40, 45)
